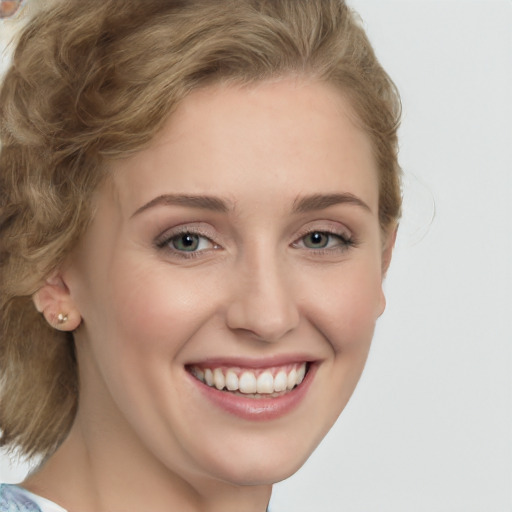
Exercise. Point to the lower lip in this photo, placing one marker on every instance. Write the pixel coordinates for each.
(258, 409)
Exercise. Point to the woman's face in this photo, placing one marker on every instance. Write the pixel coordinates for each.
(240, 249)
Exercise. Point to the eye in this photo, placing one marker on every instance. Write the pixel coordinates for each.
(189, 242)
(317, 240)
(185, 243)
(324, 240)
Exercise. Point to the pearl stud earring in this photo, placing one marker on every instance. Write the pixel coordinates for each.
(62, 318)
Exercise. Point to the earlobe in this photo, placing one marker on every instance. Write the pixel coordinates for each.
(53, 300)
(382, 302)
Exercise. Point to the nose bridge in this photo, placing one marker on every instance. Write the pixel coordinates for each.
(263, 302)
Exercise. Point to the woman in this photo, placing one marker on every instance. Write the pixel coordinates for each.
(199, 204)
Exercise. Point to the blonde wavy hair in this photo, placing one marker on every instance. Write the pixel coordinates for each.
(95, 81)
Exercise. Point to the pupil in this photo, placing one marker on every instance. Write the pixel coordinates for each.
(317, 239)
(186, 242)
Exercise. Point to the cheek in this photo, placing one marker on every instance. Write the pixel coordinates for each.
(347, 307)
(154, 308)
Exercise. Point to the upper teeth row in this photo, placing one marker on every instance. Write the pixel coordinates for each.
(247, 381)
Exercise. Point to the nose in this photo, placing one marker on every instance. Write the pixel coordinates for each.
(262, 302)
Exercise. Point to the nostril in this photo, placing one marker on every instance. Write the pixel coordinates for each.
(263, 327)
(263, 305)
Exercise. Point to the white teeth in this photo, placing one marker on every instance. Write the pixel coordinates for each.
(252, 381)
(218, 378)
(208, 377)
(265, 383)
(198, 373)
(281, 381)
(292, 379)
(231, 380)
(247, 383)
(301, 373)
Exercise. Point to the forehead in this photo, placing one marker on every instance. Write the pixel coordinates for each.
(288, 136)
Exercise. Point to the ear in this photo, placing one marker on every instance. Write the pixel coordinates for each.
(54, 301)
(387, 251)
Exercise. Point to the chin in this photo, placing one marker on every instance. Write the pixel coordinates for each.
(264, 459)
(263, 473)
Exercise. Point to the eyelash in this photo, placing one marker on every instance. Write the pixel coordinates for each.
(345, 241)
(164, 242)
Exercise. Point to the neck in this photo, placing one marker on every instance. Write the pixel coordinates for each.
(113, 475)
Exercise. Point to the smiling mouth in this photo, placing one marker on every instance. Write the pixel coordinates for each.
(252, 383)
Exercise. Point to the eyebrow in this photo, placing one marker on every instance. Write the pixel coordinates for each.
(192, 201)
(322, 201)
(301, 204)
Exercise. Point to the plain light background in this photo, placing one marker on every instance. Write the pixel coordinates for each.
(429, 427)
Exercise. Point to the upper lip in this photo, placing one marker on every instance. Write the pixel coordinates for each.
(255, 363)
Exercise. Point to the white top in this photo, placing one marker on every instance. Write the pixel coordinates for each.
(17, 499)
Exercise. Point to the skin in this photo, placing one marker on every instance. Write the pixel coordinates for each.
(8, 7)
(256, 288)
